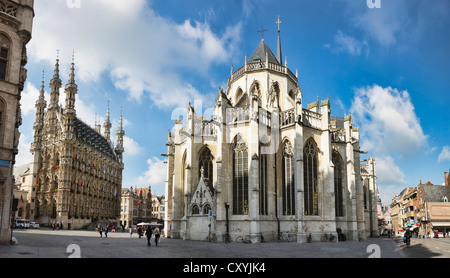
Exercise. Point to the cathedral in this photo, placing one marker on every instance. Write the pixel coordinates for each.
(267, 164)
(76, 171)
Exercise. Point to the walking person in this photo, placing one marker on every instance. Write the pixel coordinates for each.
(106, 231)
(157, 235)
(148, 233)
(100, 230)
(131, 231)
(408, 237)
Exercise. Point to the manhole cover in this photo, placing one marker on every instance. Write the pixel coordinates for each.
(25, 253)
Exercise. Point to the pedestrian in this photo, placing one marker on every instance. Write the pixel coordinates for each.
(408, 237)
(139, 232)
(131, 231)
(106, 231)
(113, 229)
(148, 233)
(53, 225)
(157, 235)
(100, 230)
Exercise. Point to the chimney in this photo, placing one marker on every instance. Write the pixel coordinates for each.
(446, 178)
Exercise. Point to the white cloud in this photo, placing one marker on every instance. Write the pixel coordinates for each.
(348, 44)
(390, 178)
(24, 155)
(148, 67)
(131, 147)
(445, 154)
(154, 175)
(389, 122)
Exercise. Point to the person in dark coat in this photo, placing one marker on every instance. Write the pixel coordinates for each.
(149, 233)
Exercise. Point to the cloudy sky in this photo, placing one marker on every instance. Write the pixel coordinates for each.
(388, 66)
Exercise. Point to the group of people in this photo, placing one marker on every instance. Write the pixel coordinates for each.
(100, 229)
(57, 225)
(149, 231)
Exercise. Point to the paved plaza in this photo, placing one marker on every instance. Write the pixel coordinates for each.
(46, 243)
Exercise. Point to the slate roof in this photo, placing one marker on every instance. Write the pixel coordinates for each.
(434, 193)
(259, 55)
(89, 136)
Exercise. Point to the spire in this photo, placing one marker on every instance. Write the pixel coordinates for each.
(42, 92)
(56, 71)
(72, 70)
(55, 85)
(107, 126)
(279, 57)
(119, 143)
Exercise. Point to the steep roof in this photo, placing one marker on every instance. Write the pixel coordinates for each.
(435, 193)
(88, 135)
(259, 55)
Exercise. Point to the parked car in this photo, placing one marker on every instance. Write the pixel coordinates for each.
(21, 223)
(34, 225)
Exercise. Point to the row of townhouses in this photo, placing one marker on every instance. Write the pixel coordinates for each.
(424, 209)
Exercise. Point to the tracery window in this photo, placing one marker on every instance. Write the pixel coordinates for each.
(206, 209)
(310, 178)
(195, 210)
(240, 176)
(4, 56)
(338, 183)
(206, 161)
(288, 185)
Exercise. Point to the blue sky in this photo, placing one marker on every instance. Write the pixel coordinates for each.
(388, 66)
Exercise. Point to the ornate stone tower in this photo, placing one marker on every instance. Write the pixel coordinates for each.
(16, 20)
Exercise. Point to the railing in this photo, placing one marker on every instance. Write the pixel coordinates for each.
(338, 135)
(287, 117)
(265, 117)
(263, 65)
(311, 119)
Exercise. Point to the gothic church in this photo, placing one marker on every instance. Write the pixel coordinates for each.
(266, 163)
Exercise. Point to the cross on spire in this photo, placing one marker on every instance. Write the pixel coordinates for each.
(278, 22)
(262, 31)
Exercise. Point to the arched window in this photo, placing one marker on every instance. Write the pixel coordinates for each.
(195, 210)
(5, 45)
(206, 161)
(338, 183)
(310, 179)
(206, 209)
(288, 179)
(240, 176)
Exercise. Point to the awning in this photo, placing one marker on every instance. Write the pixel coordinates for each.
(440, 224)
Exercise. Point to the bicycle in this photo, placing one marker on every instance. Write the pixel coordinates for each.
(330, 238)
(211, 238)
(241, 239)
(285, 237)
(360, 237)
(309, 238)
(226, 238)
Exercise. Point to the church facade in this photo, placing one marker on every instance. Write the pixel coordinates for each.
(76, 171)
(267, 164)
